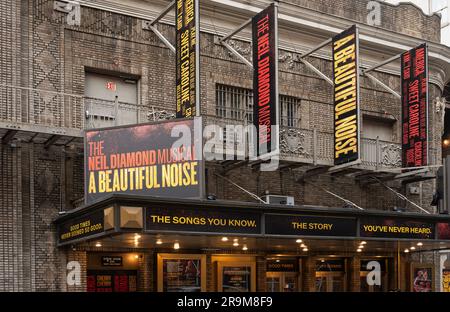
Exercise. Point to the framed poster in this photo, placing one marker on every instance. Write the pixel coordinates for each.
(181, 273)
(446, 280)
(422, 277)
(236, 277)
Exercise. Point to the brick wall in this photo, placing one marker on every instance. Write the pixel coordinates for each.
(403, 18)
(145, 272)
(79, 256)
(261, 266)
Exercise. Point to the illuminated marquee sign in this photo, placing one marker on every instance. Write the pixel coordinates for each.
(205, 221)
(396, 228)
(414, 73)
(143, 160)
(187, 57)
(280, 224)
(346, 97)
(82, 227)
(265, 51)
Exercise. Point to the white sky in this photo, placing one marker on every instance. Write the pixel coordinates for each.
(436, 5)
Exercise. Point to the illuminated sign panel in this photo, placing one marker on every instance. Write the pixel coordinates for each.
(205, 220)
(396, 228)
(144, 160)
(280, 224)
(81, 227)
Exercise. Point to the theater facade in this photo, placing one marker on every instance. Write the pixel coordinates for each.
(135, 153)
(138, 243)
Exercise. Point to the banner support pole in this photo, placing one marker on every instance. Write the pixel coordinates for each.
(150, 25)
(316, 70)
(237, 54)
(382, 84)
(320, 46)
(163, 13)
(234, 32)
(389, 60)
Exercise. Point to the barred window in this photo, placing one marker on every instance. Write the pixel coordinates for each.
(290, 111)
(234, 102)
(237, 103)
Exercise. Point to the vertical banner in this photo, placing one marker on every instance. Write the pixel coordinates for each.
(346, 97)
(414, 73)
(188, 58)
(265, 79)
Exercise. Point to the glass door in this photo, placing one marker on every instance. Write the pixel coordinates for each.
(330, 282)
(290, 282)
(282, 281)
(273, 283)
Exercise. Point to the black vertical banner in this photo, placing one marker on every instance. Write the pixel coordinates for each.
(415, 107)
(187, 54)
(346, 97)
(265, 88)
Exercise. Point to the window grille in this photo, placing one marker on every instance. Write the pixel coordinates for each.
(237, 103)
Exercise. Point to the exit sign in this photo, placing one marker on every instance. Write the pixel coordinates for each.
(111, 86)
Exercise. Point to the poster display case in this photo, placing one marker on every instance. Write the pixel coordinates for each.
(181, 273)
(236, 276)
(422, 275)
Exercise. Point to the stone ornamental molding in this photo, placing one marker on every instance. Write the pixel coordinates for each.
(160, 115)
(239, 47)
(292, 142)
(391, 155)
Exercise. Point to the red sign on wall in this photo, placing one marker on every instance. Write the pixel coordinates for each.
(415, 107)
(265, 80)
(111, 86)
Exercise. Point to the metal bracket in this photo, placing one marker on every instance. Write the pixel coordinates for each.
(301, 58)
(401, 196)
(150, 25)
(379, 82)
(315, 69)
(348, 202)
(223, 42)
(382, 84)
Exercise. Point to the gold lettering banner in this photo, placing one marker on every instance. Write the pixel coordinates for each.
(202, 220)
(346, 97)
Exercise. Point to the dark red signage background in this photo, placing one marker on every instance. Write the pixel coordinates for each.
(264, 79)
(414, 71)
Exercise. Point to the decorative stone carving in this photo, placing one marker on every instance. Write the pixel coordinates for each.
(160, 115)
(73, 10)
(391, 155)
(440, 107)
(241, 47)
(286, 57)
(293, 141)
